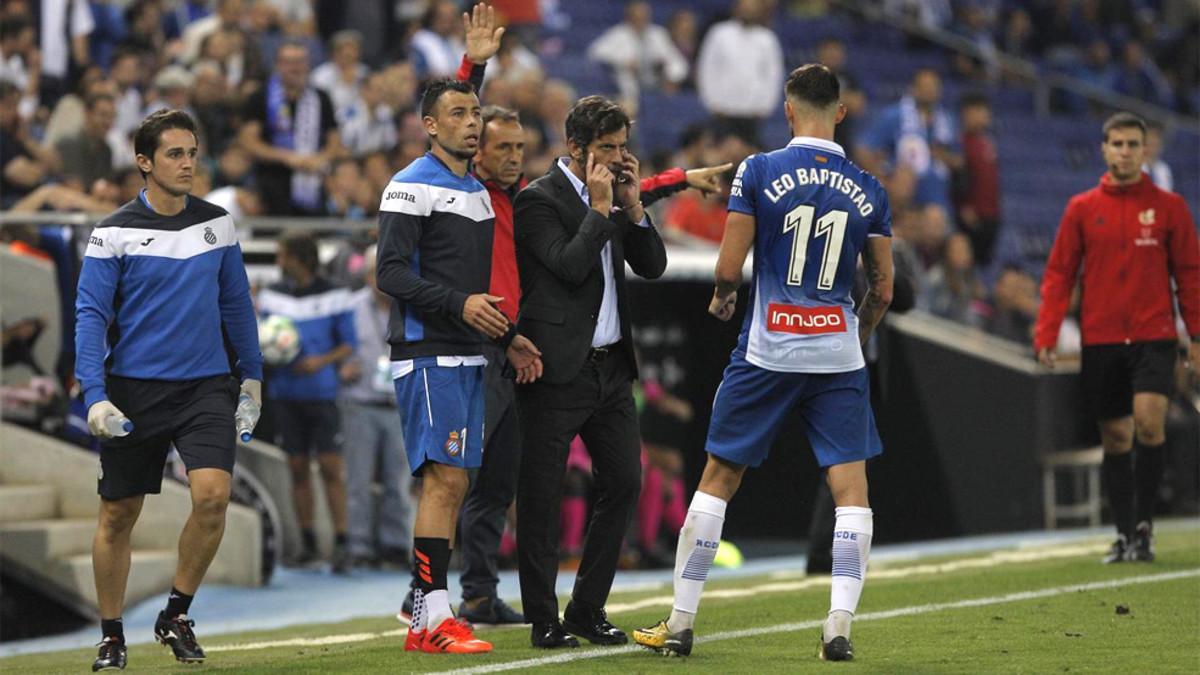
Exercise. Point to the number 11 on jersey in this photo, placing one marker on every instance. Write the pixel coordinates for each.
(832, 226)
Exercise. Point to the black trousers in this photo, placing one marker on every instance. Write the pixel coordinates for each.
(493, 485)
(597, 405)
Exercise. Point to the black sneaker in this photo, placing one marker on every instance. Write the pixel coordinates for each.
(177, 634)
(1143, 544)
(1118, 552)
(111, 656)
(340, 560)
(490, 612)
(837, 649)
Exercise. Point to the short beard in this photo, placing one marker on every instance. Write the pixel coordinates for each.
(456, 153)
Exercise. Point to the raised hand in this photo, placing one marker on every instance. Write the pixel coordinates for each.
(481, 34)
(705, 179)
(478, 313)
(526, 358)
(599, 185)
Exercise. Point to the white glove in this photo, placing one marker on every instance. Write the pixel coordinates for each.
(254, 388)
(97, 414)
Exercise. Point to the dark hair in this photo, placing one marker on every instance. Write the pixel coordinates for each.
(435, 89)
(302, 247)
(495, 112)
(13, 26)
(149, 132)
(1124, 120)
(8, 89)
(813, 84)
(973, 99)
(592, 117)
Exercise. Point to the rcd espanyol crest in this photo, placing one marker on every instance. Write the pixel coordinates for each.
(209, 236)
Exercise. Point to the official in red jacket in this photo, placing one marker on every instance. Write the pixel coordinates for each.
(1133, 240)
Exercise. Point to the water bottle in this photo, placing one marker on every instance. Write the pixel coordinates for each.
(246, 417)
(117, 425)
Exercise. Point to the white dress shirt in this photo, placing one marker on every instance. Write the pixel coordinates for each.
(739, 72)
(608, 321)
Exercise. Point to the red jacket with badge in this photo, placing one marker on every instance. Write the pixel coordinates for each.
(1132, 240)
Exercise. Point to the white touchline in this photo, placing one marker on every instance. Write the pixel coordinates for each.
(809, 625)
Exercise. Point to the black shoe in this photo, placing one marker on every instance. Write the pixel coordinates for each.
(592, 625)
(1143, 544)
(340, 560)
(837, 649)
(490, 611)
(406, 609)
(1118, 552)
(307, 558)
(177, 634)
(551, 636)
(111, 656)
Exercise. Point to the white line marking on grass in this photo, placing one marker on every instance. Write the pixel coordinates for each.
(309, 642)
(809, 625)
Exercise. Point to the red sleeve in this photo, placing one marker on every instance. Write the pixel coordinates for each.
(1059, 278)
(464, 70)
(663, 185)
(1184, 259)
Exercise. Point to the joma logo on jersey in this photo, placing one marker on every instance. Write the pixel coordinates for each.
(402, 196)
(805, 320)
(95, 241)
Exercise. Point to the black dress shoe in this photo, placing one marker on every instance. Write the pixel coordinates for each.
(551, 635)
(592, 625)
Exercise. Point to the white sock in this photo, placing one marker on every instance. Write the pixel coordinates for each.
(698, 541)
(437, 608)
(417, 623)
(851, 547)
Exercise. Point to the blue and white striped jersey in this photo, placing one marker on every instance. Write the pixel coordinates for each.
(813, 210)
(324, 318)
(158, 294)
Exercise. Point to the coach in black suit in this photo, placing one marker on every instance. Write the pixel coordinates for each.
(575, 228)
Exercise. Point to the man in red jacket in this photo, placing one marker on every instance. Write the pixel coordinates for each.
(1133, 240)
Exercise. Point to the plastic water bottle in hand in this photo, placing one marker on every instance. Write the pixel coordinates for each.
(246, 417)
(117, 425)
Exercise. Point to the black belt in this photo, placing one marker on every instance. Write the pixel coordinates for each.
(596, 354)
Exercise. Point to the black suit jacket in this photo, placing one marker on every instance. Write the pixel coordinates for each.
(559, 242)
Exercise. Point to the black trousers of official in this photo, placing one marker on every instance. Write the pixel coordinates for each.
(493, 485)
(597, 405)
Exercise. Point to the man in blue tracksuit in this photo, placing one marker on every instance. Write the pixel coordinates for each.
(162, 285)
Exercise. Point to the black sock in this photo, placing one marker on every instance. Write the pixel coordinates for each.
(432, 558)
(1118, 481)
(310, 539)
(178, 603)
(1148, 469)
(112, 628)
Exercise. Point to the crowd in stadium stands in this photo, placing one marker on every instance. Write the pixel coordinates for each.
(76, 78)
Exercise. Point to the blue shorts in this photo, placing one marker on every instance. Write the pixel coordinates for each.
(441, 409)
(752, 402)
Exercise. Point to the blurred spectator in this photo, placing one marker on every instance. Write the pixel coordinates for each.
(1018, 38)
(212, 108)
(977, 198)
(21, 62)
(64, 43)
(953, 286)
(378, 533)
(437, 48)
(933, 226)
(144, 31)
(977, 24)
(699, 214)
(1156, 166)
(1014, 306)
(684, 29)
(66, 117)
(1139, 77)
(341, 190)
(239, 58)
(24, 163)
(126, 72)
(1097, 70)
(227, 13)
(235, 166)
(932, 14)
(917, 132)
(558, 96)
(512, 61)
(523, 18)
(173, 87)
(342, 76)
(831, 52)
(108, 17)
(740, 70)
(295, 16)
(291, 132)
(239, 202)
(370, 124)
(56, 197)
(639, 53)
(695, 146)
(87, 156)
(400, 86)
